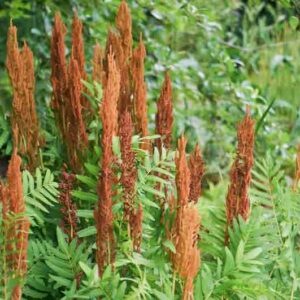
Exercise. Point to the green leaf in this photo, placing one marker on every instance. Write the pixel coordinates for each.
(92, 183)
(229, 262)
(153, 191)
(85, 196)
(85, 213)
(294, 22)
(91, 230)
(240, 252)
(168, 244)
(61, 240)
(92, 169)
(253, 253)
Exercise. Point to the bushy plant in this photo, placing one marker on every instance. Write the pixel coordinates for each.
(117, 209)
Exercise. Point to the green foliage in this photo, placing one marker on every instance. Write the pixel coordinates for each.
(221, 56)
(40, 194)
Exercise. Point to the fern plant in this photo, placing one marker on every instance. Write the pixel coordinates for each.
(40, 194)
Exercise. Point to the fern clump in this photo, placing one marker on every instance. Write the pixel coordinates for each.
(112, 208)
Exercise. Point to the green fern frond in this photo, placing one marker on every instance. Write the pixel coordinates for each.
(40, 193)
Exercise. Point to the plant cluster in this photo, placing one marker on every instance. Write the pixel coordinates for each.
(127, 215)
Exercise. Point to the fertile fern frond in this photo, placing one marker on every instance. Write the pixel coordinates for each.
(9, 278)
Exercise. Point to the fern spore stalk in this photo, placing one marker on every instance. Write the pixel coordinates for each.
(237, 200)
(186, 259)
(103, 212)
(140, 92)
(196, 166)
(68, 209)
(132, 211)
(164, 115)
(67, 101)
(20, 67)
(16, 225)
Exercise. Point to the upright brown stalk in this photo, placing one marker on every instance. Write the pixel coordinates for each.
(20, 66)
(135, 223)
(123, 24)
(103, 212)
(297, 171)
(237, 201)
(59, 74)
(76, 138)
(182, 174)
(68, 207)
(77, 45)
(128, 180)
(196, 166)
(186, 260)
(129, 171)
(17, 227)
(67, 90)
(78, 55)
(98, 68)
(164, 116)
(140, 91)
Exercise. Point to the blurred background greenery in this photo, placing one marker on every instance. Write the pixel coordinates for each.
(222, 55)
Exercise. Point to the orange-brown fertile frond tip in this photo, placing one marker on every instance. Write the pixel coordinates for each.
(237, 200)
(297, 171)
(196, 166)
(182, 173)
(164, 116)
(123, 23)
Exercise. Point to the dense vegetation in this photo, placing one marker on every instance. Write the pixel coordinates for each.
(148, 150)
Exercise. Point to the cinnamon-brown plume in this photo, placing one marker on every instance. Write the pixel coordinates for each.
(186, 259)
(140, 92)
(20, 67)
(67, 91)
(16, 223)
(78, 55)
(103, 211)
(68, 207)
(132, 212)
(123, 24)
(297, 171)
(196, 166)
(237, 201)
(164, 115)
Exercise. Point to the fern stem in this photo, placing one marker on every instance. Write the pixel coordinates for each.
(174, 284)
(274, 210)
(294, 287)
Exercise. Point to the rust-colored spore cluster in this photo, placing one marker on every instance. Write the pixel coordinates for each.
(59, 73)
(186, 260)
(164, 116)
(132, 213)
(196, 166)
(237, 201)
(67, 101)
(103, 212)
(297, 171)
(78, 55)
(123, 24)
(16, 224)
(98, 67)
(20, 66)
(140, 92)
(129, 171)
(68, 209)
